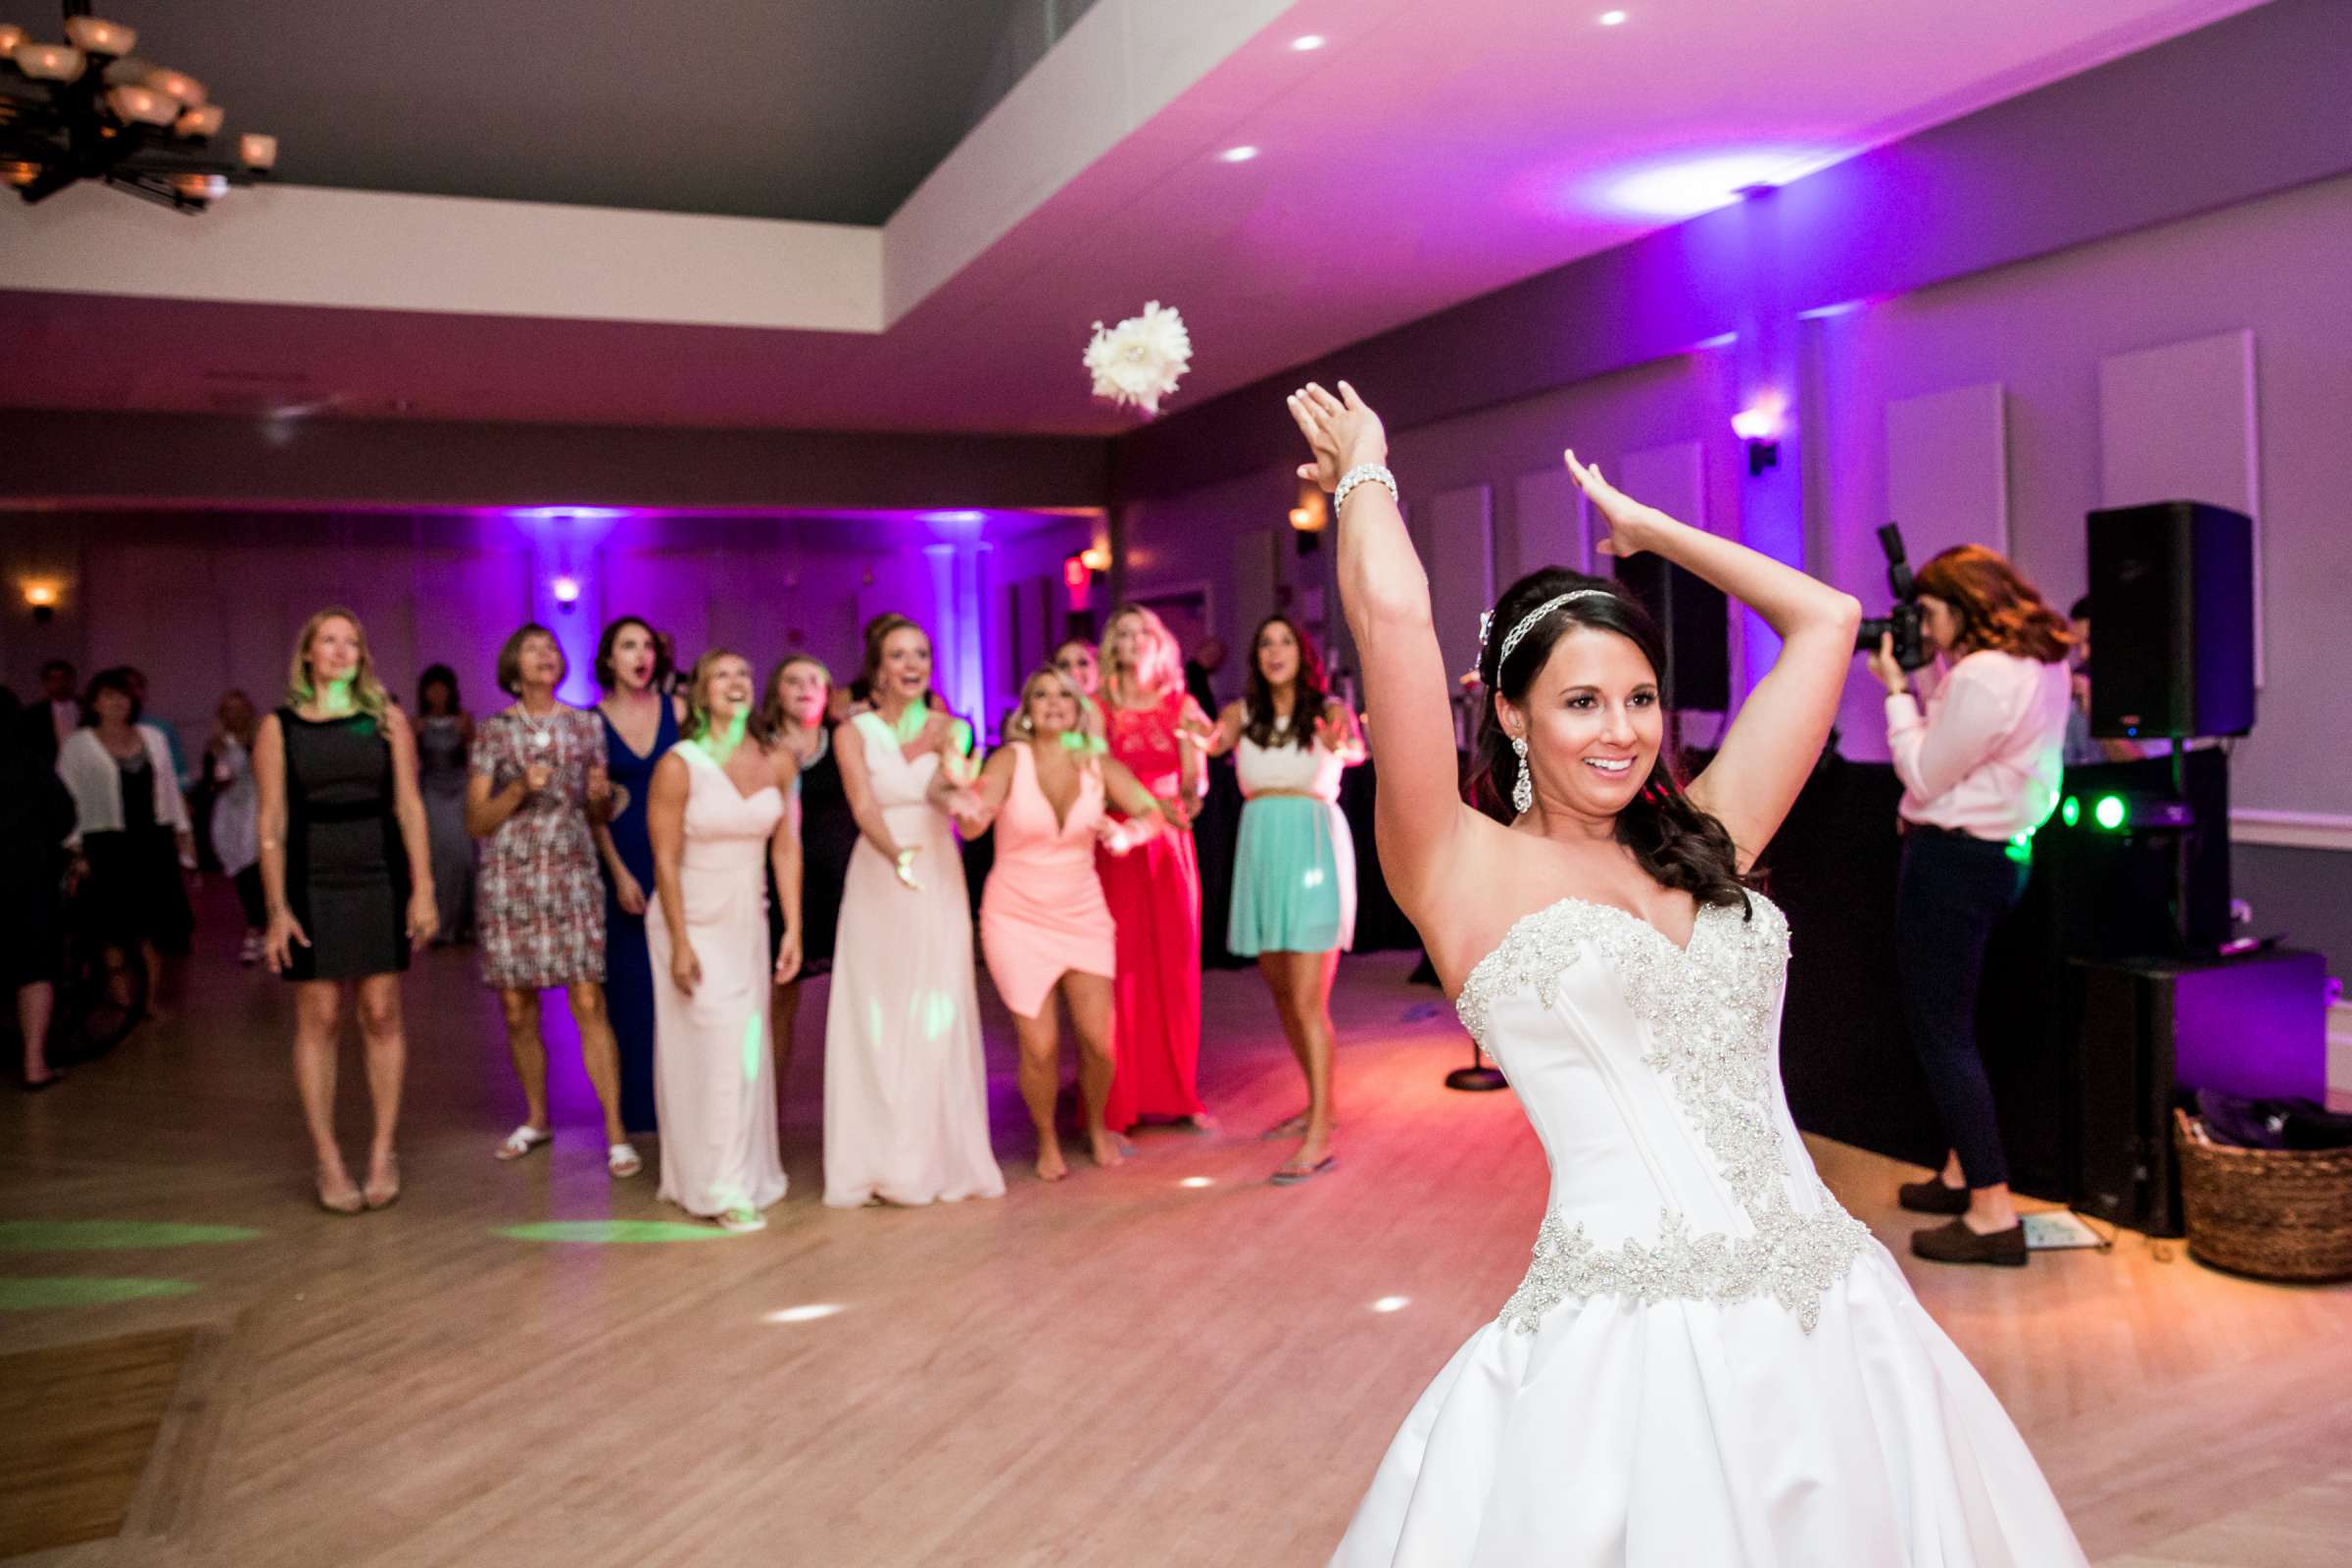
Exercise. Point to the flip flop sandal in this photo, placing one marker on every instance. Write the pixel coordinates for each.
(522, 1141)
(1290, 1177)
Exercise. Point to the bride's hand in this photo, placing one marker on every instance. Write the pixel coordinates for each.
(1341, 431)
(1628, 519)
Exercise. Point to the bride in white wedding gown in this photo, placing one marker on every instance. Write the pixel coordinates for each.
(1709, 1362)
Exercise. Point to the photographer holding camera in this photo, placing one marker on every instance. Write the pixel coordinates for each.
(1979, 769)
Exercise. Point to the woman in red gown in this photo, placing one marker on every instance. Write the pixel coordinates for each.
(1155, 891)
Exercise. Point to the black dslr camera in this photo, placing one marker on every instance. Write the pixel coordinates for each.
(1902, 622)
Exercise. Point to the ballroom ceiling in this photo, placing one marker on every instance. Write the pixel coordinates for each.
(827, 110)
(1420, 156)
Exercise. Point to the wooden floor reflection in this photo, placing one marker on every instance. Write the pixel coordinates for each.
(1172, 1362)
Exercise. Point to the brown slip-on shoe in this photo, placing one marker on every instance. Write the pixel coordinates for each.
(1933, 1197)
(1957, 1244)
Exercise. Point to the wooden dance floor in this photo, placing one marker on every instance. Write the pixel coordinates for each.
(1170, 1364)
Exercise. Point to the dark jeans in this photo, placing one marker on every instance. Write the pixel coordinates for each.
(1952, 892)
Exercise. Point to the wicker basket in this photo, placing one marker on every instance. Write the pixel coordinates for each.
(2272, 1214)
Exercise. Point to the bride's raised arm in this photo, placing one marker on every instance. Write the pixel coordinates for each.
(1778, 735)
(1407, 694)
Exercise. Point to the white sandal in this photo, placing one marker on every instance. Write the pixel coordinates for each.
(522, 1141)
(742, 1220)
(623, 1160)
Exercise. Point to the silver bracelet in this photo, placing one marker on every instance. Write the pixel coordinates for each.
(1357, 475)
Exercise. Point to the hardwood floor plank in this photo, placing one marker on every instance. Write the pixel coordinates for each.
(1119, 1369)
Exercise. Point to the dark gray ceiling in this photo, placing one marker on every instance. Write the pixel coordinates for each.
(830, 111)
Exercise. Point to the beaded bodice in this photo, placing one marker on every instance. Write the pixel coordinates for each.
(1651, 1073)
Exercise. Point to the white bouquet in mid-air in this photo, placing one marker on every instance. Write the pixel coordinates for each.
(1140, 360)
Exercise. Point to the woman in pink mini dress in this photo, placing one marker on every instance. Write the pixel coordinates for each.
(1044, 926)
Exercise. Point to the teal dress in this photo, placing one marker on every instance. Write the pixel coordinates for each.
(628, 969)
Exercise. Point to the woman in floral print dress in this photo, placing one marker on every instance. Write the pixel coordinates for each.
(539, 904)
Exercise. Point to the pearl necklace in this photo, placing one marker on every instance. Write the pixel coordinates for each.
(542, 732)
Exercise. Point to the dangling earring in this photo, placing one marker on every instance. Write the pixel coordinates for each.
(1523, 793)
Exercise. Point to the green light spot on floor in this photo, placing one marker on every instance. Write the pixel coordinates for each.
(111, 1235)
(48, 1295)
(610, 1232)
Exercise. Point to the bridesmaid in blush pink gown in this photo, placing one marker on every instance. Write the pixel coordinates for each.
(1155, 894)
(905, 1089)
(1042, 923)
(716, 816)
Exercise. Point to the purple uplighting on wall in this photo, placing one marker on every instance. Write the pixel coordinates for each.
(567, 582)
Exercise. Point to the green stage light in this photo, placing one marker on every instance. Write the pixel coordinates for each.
(45, 1294)
(610, 1232)
(111, 1235)
(2072, 812)
(2109, 812)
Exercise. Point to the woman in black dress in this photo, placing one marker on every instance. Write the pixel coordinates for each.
(36, 818)
(797, 711)
(347, 869)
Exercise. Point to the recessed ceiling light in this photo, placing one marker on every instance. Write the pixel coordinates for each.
(1612, 19)
(1237, 155)
(1391, 1304)
(1308, 41)
(1195, 1181)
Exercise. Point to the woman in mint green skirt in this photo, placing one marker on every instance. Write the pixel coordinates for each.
(1293, 874)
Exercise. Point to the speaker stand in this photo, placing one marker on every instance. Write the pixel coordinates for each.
(1478, 1075)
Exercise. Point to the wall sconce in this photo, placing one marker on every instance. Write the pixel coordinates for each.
(1304, 519)
(1760, 428)
(567, 590)
(1096, 557)
(41, 596)
(1078, 575)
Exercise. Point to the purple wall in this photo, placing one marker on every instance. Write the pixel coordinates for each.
(204, 602)
(2198, 188)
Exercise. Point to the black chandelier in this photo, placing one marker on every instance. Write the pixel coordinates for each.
(89, 109)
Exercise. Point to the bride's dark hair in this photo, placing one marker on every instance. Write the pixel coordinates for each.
(1670, 836)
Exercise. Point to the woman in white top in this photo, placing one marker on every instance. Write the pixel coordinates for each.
(135, 829)
(1294, 873)
(1981, 772)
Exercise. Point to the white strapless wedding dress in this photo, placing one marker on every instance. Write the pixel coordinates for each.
(1710, 1363)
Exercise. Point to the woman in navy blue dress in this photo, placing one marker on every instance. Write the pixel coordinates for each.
(641, 723)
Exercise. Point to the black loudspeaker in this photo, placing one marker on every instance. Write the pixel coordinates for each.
(2152, 1033)
(2171, 589)
(1694, 620)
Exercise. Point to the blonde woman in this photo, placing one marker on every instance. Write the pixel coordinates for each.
(1155, 894)
(347, 876)
(720, 827)
(1044, 926)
